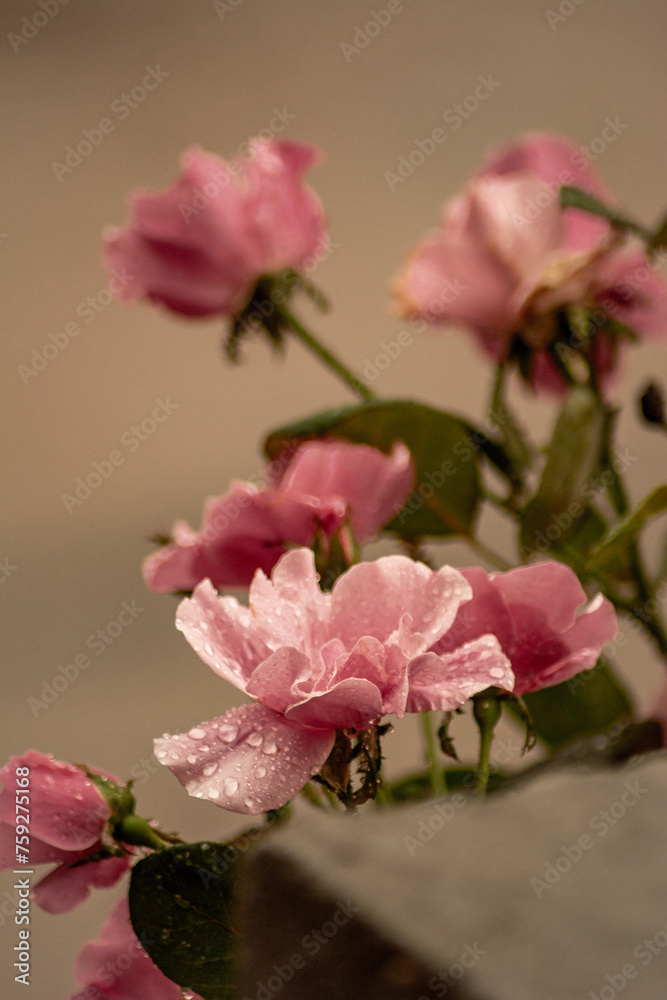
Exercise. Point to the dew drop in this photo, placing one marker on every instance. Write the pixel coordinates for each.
(249, 803)
(270, 746)
(228, 734)
(210, 768)
(192, 759)
(230, 785)
(197, 733)
(255, 739)
(261, 771)
(213, 793)
(497, 672)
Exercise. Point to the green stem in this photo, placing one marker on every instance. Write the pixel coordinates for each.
(435, 770)
(486, 712)
(325, 355)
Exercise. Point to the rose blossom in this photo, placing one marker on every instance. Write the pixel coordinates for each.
(200, 247)
(316, 663)
(506, 257)
(116, 967)
(67, 818)
(325, 484)
(533, 612)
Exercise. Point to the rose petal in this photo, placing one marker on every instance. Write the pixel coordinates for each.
(223, 633)
(248, 760)
(116, 967)
(373, 598)
(66, 809)
(351, 704)
(580, 647)
(372, 485)
(486, 612)
(446, 682)
(290, 608)
(69, 885)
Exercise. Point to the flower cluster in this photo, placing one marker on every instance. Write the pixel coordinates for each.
(391, 637)
(534, 258)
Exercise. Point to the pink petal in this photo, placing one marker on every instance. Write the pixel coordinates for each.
(38, 852)
(456, 279)
(67, 886)
(581, 648)
(351, 704)
(630, 290)
(249, 760)
(245, 530)
(284, 217)
(66, 810)
(373, 598)
(223, 633)
(543, 597)
(485, 613)
(115, 966)
(446, 682)
(285, 678)
(386, 667)
(290, 608)
(497, 218)
(553, 158)
(372, 485)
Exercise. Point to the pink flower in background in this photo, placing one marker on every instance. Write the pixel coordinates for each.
(200, 247)
(315, 663)
(506, 257)
(67, 818)
(533, 612)
(325, 484)
(116, 967)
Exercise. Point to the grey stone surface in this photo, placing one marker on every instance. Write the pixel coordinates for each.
(555, 891)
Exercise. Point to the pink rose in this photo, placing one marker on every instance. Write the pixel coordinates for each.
(68, 816)
(532, 611)
(316, 663)
(325, 484)
(116, 967)
(506, 258)
(200, 247)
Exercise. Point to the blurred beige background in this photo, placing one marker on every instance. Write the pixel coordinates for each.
(226, 70)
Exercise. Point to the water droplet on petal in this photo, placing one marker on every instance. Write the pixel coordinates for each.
(228, 734)
(192, 759)
(255, 739)
(249, 803)
(230, 785)
(270, 746)
(197, 733)
(210, 768)
(497, 672)
(261, 771)
(213, 793)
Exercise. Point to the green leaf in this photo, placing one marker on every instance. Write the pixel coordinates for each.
(626, 531)
(181, 906)
(589, 703)
(444, 448)
(572, 197)
(553, 516)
